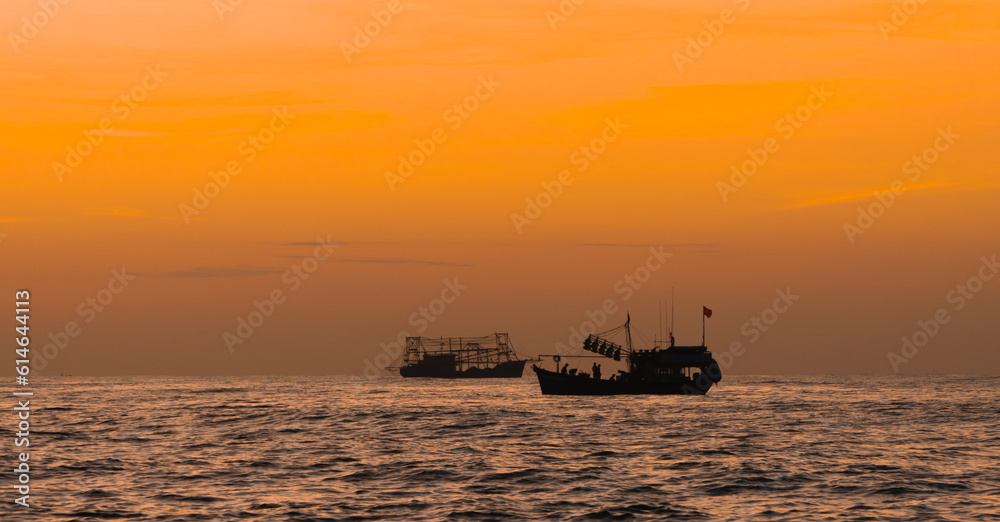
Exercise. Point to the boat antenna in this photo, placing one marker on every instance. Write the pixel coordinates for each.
(660, 332)
(671, 316)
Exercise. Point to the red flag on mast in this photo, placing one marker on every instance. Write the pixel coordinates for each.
(706, 311)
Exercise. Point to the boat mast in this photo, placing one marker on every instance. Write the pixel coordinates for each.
(628, 332)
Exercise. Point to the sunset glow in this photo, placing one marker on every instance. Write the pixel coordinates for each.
(836, 150)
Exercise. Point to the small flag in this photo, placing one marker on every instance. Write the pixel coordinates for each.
(706, 311)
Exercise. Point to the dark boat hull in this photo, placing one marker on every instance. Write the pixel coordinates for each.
(555, 383)
(505, 370)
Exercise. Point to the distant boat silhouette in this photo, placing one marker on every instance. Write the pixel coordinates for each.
(675, 370)
(461, 357)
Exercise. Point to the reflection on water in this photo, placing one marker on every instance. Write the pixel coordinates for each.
(339, 448)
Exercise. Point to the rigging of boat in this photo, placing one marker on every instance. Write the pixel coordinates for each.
(664, 369)
(461, 357)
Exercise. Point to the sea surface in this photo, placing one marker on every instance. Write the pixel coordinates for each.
(347, 448)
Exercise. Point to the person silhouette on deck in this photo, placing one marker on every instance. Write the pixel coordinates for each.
(597, 371)
(565, 366)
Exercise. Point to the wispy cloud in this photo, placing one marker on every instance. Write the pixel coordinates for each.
(253, 99)
(122, 212)
(114, 212)
(646, 245)
(132, 133)
(844, 198)
(402, 262)
(313, 243)
(211, 272)
(18, 75)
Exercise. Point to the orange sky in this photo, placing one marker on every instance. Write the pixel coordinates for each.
(215, 77)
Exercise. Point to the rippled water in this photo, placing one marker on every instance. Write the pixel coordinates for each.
(343, 448)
